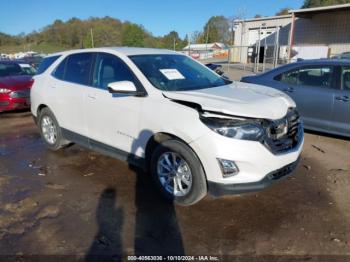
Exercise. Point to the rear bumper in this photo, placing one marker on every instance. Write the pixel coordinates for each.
(219, 189)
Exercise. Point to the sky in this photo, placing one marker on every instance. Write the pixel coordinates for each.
(157, 16)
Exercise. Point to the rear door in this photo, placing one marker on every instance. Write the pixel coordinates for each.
(340, 121)
(71, 80)
(311, 87)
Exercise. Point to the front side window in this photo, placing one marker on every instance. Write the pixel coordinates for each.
(346, 77)
(290, 77)
(109, 69)
(318, 76)
(77, 68)
(176, 72)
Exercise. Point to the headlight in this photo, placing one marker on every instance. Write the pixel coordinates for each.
(4, 90)
(238, 128)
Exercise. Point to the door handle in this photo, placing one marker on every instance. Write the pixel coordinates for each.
(289, 89)
(342, 98)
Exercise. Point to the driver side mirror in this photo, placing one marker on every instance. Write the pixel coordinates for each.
(124, 87)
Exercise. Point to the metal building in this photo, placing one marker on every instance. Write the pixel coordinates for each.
(304, 33)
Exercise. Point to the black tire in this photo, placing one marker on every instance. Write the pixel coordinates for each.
(60, 142)
(198, 188)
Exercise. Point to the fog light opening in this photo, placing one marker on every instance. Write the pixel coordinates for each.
(228, 167)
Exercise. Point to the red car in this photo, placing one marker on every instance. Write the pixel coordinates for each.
(14, 87)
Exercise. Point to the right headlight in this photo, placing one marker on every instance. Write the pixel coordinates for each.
(238, 128)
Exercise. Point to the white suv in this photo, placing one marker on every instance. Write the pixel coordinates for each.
(194, 131)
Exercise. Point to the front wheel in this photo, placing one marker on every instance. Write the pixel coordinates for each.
(178, 173)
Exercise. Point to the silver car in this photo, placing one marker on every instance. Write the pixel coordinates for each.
(320, 88)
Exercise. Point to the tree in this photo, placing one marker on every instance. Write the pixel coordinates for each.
(216, 30)
(169, 40)
(197, 37)
(76, 33)
(283, 11)
(133, 35)
(317, 3)
(258, 16)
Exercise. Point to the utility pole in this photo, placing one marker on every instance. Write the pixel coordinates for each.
(206, 41)
(189, 44)
(92, 38)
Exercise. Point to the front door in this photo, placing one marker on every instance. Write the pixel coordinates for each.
(70, 82)
(311, 87)
(315, 94)
(112, 119)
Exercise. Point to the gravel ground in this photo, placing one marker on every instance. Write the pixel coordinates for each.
(77, 202)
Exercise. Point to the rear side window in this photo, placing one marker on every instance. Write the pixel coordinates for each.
(77, 68)
(46, 63)
(109, 69)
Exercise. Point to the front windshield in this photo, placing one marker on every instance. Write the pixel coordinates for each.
(10, 69)
(176, 72)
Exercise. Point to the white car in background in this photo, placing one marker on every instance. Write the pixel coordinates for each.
(192, 130)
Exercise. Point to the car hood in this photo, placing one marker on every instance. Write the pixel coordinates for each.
(16, 82)
(238, 99)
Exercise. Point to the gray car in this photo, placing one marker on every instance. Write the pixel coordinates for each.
(320, 88)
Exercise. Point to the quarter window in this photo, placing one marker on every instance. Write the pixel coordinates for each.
(46, 63)
(346, 77)
(109, 69)
(59, 71)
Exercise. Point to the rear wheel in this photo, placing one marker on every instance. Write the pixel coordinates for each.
(50, 130)
(178, 173)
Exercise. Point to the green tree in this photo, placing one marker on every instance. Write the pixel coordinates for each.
(283, 11)
(169, 40)
(317, 3)
(133, 35)
(216, 30)
(196, 37)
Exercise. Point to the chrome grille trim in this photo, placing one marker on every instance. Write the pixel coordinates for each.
(291, 139)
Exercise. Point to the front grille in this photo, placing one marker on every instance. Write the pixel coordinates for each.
(284, 134)
(20, 94)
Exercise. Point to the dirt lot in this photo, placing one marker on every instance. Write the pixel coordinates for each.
(78, 202)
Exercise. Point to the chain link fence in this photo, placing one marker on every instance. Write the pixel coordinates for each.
(254, 59)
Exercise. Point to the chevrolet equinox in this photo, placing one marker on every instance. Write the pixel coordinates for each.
(193, 131)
